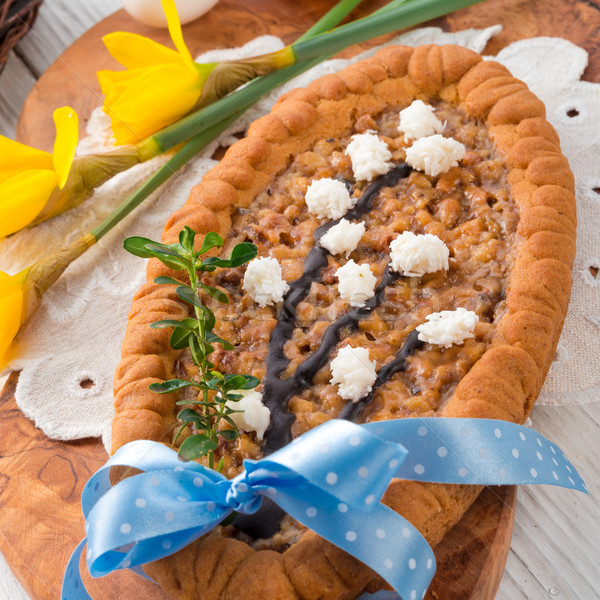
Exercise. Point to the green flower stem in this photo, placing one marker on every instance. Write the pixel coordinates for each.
(177, 161)
(331, 18)
(405, 15)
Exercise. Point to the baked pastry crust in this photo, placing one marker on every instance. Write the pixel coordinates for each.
(503, 383)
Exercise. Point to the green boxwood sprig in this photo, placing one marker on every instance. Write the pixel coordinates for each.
(215, 389)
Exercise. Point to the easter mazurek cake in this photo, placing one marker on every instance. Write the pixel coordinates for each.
(415, 225)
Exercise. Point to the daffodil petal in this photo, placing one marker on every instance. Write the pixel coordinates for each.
(134, 51)
(114, 83)
(65, 144)
(169, 91)
(11, 309)
(6, 175)
(10, 284)
(175, 31)
(16, 157)
(23, 197)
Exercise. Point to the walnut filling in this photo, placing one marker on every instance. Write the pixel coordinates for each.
(468, 207)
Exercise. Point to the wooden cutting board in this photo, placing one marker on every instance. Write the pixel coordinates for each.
(41, 479)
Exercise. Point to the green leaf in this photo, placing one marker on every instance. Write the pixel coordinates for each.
(180, 338)
(213, 337)
(196, 402)
(229, 419)
(218, 375)
(186, 238)
(188, 415)
(241, 382)
(214, 261)
(163, 249)
(179, 432)
(168, 256)
(208, 347)
(243, 253)
(165, 279)
(172, 263)
(146, 248)
(197, 446)
(234, 382)
(198, 354)
(173, 323)
(137, 245)
(229, 434)
(208, 318)
(200, 266)
(233, 397)
(240, 255)
(190, 323)
(211, 240)
(215, 293)
(171, 385)
(213, 383)
(187, 293)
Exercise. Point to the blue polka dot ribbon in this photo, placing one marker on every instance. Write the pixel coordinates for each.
(330, 479)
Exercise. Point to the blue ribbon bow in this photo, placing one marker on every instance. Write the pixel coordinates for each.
(330, 479)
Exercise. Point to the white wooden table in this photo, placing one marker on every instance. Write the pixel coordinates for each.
(555, 552)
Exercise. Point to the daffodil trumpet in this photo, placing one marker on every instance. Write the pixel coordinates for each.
(29, 177)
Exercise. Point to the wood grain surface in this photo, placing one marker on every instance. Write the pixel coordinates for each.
(41, 479)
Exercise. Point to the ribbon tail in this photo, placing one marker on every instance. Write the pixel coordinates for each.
(73, 586)
(477, 452)
(379, 537)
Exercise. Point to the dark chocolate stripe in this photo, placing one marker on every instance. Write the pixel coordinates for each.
(307, 370)
(277, 392)
(412, 343)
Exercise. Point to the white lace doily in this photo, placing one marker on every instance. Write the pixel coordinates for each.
(69, 350)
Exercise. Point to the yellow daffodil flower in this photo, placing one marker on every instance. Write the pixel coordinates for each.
(11, 309)
(20, 294)
(162, 85)
(29, 177)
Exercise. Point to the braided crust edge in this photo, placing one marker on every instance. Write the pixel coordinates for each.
(503, 384)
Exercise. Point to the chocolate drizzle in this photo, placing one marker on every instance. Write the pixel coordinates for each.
(277, 392)
(412, 343)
